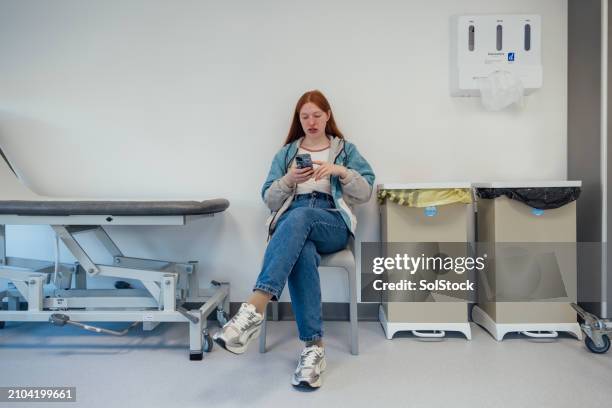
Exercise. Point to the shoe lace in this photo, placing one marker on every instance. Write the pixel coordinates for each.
(308, 357)
(242, 320)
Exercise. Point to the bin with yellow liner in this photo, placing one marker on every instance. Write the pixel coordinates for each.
(528, 230)
(426, 219)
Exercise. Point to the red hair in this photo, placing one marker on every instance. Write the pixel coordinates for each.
(316, 97)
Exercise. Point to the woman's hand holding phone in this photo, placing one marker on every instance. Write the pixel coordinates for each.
(298, 176)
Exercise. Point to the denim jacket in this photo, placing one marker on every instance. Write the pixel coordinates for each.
(278, 193)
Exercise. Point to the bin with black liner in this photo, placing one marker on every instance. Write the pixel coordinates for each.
(425, 220)
(528, 232)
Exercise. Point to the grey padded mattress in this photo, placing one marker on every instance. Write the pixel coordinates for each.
(116, 208)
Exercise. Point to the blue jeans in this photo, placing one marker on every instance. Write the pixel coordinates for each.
(311, 226)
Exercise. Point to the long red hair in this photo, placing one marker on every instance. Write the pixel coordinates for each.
(316, 97)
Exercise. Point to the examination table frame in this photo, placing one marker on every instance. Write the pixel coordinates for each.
(168, 285)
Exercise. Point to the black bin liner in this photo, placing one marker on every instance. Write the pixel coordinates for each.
(543, 198)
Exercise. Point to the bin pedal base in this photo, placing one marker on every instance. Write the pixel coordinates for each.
(499, 330)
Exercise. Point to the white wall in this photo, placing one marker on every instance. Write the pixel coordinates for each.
(190, 99)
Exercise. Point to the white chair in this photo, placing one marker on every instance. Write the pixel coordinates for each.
(344, 259)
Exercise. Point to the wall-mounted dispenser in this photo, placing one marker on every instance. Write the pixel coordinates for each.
(482, 45)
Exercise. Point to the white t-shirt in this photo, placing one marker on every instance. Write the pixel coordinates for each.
(311, 185)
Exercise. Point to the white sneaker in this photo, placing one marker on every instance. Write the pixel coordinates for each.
(243, 328)
(310, 367)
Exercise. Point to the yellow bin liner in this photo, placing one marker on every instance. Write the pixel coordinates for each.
(426, 197)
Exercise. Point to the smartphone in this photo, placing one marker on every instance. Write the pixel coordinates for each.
(303, 160)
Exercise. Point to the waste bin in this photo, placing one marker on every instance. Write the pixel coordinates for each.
(528, 231)
(426, 218)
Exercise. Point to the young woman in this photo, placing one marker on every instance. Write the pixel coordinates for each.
(311, 215)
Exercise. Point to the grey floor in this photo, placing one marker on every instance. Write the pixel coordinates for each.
(151, 369)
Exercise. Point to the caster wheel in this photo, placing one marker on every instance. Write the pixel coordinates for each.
(195, 356)
(208, 343)
(222, 318)
(598, 350)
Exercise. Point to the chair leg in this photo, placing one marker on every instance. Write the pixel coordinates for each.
(352, 277)
(262, 335)
(275, 311)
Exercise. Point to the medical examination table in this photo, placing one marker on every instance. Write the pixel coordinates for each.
(58, 293)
